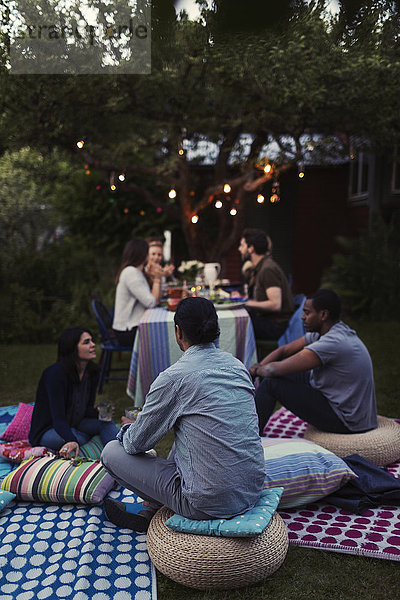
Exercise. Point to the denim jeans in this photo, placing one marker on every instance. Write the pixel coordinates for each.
(87, 429)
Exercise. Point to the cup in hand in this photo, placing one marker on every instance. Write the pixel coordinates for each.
(106, 410)
(132, 412)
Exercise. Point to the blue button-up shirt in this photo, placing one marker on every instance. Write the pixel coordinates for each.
(207, 397)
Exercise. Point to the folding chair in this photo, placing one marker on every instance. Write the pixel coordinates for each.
(109, 344)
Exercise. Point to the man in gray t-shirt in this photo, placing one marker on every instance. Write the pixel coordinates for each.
(325, 377)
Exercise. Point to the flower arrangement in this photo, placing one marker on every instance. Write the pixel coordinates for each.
(188, 269)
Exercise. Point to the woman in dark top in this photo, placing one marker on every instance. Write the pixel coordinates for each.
(64, 416)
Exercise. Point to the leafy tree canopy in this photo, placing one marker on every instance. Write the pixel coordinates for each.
(297, 73)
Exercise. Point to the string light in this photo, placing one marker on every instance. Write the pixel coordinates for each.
(227, 188)
(267, 168)
(195, 219)
(260, 198)
(274, 198)
(142, 213)
(233, 212)
(80, 143)
(113, 187)
(172, 193)
(181, 152)
(301, 174)
(126, 210)
(121, 177)
(87, 172)
(218, 204)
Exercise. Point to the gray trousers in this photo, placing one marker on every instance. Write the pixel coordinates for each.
(154, 479)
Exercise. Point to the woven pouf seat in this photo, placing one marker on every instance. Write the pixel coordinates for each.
(380, 446)
(201, 561)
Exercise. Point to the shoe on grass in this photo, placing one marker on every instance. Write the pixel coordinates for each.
(118, 513)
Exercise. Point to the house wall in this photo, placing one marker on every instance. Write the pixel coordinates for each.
(322, 214)
(311, 214)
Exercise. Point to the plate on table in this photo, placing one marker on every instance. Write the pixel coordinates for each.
(229, 304)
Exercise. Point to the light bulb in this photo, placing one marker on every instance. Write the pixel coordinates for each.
(195, 218)
(113, 187)
(172, 193)
(218, 204)
(274, 198)
(233, 211)
(227, 188)
(260, 198)
(121, 177)
(80, 143)
(301, 174)
(267, 168)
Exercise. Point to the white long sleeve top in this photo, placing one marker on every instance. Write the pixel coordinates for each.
(132, 298)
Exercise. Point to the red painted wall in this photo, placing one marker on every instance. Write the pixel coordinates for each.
(322, 213)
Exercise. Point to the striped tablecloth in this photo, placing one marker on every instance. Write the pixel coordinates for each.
(155, 347)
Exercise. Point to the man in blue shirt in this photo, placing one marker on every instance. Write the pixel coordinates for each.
(216, 466)
(325, 377)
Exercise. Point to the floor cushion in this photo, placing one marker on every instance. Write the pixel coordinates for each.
(380, 446)
(21, 450)
(202, 561)
(92, 449)
(5, 498)
(305, 470)
(57, 480)
(19, 427)
(252, 522)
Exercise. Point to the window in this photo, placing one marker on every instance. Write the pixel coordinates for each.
(359, 172)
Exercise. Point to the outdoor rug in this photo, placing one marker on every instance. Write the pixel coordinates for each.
(374, 533)
(70, 551)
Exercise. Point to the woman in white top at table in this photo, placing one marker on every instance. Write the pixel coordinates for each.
(133, 294)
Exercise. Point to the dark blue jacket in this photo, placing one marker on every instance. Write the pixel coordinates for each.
(54, 393)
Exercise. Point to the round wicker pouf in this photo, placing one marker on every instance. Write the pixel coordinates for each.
(200, 561)
(380, 446)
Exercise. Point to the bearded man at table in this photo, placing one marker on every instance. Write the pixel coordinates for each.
(270, 303)
(216, 466)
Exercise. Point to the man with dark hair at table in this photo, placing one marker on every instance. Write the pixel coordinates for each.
(325, 377)
(216, 466)
(271, 300)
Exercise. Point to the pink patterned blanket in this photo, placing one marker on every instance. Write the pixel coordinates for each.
(374, 533)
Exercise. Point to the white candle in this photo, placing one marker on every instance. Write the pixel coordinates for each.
(167, 246)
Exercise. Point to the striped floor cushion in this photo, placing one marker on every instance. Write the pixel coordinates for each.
(92, 449)
(56, 480)
(305, 470)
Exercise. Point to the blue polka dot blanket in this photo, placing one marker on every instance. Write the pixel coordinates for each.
(70, 551)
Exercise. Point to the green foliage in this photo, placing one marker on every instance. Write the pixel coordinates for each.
(366, 274)
(46, 291)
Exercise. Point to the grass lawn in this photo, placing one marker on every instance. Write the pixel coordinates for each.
(305, 574)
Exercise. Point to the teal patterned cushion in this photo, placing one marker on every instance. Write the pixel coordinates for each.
(5, 498)
(252, 522)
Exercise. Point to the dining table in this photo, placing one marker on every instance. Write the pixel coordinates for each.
(155, 347)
